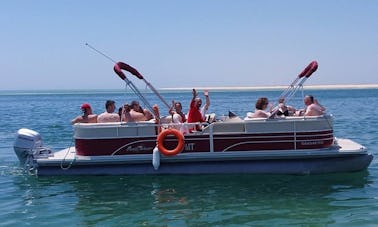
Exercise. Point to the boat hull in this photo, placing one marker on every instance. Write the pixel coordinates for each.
(304, 165)
(344, 156)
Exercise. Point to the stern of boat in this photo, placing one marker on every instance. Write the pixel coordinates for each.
(27, 146)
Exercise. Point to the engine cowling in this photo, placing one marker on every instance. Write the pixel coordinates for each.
(26, 142)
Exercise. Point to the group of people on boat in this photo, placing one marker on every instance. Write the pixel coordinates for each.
(313, 108)
(133, 112)
(128, 113)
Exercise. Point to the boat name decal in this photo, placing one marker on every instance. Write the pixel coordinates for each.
(312, 142)
(139, 148)
(189, 146)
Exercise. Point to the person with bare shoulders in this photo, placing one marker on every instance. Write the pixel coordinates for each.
(125, 113)
(137, 113)
(261, 105)
(313, 107)
(87, 117)
(108, 115)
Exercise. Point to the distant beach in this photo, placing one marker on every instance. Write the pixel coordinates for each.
(223, 88)
(278, 87)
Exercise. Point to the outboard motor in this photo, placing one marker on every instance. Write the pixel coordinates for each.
(27, 142)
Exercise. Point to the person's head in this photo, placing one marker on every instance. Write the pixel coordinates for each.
(110, 106)
(308, 100)
(198, 102)
(178, 107)
(136, 107)
(262, 103)
(281, 100)
(86, 108)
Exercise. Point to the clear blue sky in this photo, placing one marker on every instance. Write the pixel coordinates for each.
(196, 43)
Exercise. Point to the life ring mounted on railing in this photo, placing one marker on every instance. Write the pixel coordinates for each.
(163, 136)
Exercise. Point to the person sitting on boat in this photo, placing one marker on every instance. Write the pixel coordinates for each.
(282, 109)
(176, 112)
(313, 107)
(137, 113)
(196, 113)
(87, 116)
(125, 113)
(108, 115)
(177, 117)
(261, 105)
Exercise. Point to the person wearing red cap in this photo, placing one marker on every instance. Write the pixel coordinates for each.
(87, 116)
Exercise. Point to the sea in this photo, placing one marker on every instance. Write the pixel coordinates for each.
(342, 199)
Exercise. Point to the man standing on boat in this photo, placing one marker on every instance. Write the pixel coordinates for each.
(87, 117)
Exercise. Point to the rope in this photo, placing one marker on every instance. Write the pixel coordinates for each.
(65, 156)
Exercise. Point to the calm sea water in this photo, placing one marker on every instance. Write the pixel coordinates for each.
(202, 200)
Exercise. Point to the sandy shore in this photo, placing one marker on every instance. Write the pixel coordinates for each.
(314, 87)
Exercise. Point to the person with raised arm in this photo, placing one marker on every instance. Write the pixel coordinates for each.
(207, 104)
(195, 111)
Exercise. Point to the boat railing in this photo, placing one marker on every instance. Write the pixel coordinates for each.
(228, 126)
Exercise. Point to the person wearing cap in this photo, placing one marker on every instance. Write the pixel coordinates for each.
(87, 116)
(108, 115)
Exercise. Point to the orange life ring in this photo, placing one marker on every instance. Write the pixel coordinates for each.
(180, 142)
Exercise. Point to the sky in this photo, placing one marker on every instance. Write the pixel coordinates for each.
(196, 43)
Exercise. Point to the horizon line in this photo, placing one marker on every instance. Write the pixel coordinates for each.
(214, 88)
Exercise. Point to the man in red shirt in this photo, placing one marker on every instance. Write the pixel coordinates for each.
(196, 114)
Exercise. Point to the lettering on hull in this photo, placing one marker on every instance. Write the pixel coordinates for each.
(139, 148)
(307, 143)
(189, 146)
